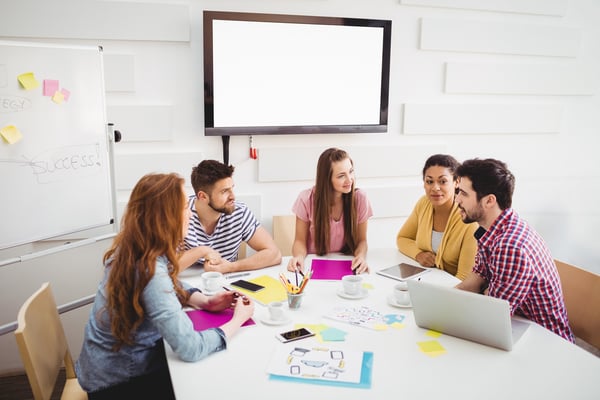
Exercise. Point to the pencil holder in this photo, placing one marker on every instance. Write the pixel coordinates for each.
(294, 300)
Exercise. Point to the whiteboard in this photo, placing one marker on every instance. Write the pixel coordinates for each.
(55, 151)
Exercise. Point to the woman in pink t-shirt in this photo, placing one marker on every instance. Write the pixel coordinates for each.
(332, 216)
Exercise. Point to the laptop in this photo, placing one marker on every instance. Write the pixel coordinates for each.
(466, 315)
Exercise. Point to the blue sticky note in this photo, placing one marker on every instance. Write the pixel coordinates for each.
(333, 335)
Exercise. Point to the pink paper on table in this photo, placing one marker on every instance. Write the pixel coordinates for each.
(330, 269)
(204, 320)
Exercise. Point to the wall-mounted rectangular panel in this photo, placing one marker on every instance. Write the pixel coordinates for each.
(532, 79)
(119, 73)
(142, 123)
(95, 20)
(129, 168)
(479, 36)
(424, 119)
(394, 201)
(537, 7)
(299, 163)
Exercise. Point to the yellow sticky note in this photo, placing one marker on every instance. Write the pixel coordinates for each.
(397, 325)
(431, 348)
(380, 327)
(433, 334)
(58, 97)
(11, 134)
(367, 286)
(28, 81)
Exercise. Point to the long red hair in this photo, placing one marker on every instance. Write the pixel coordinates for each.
(151, 226)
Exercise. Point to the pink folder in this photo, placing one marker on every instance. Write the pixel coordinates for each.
(203, 319)
(331, 269)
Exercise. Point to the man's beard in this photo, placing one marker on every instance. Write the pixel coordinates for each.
(224, 209)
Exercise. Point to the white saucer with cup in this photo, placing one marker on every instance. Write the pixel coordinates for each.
(400, 296)
(276, 314)
(212, 281)
(352, 287)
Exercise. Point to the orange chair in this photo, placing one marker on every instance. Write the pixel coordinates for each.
(581, 291)
(284, 232)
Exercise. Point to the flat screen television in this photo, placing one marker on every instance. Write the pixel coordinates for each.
(293, 74)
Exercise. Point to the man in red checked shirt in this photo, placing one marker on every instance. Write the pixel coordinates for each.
(513, 262)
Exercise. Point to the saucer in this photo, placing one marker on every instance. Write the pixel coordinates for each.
(363, 293)
(392, 302)
(268, 321)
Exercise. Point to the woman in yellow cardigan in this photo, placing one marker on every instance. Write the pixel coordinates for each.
(434, 233)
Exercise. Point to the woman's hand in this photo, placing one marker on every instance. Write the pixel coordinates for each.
(219, 301)
(426, 259)
(359, 265)
(244, 308)
(296, 264)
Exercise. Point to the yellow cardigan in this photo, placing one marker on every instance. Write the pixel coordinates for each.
(457, 250)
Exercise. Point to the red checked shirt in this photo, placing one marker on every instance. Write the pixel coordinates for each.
(518, 267)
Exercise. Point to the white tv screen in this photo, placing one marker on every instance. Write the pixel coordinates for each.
(278, 74)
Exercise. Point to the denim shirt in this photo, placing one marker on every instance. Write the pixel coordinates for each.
(99, 367)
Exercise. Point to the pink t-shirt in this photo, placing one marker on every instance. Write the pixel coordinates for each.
(303, 208)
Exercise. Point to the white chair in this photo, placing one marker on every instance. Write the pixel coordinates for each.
(43, 347)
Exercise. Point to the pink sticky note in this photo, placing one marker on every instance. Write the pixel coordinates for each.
(65, 94)
(330, 269)
(50, 87)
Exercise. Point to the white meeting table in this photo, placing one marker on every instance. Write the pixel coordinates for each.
(541, 365)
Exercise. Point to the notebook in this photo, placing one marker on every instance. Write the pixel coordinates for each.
(467, 315)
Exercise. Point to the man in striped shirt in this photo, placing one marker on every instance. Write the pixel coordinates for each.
(513, 261)
(219, 224)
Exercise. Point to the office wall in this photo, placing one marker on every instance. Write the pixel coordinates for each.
(514, 80)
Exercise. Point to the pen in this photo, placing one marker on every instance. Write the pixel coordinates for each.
(238, 275)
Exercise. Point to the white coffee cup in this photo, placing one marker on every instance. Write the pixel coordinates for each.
(212, 280)
(401, 295)
(352, 284)
(276, 311)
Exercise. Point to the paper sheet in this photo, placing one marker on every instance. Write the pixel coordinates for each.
(331, 269)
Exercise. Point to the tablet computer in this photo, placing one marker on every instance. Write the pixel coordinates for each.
(403, 271)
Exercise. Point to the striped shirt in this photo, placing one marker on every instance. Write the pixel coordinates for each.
(230, 232)
(519, 268)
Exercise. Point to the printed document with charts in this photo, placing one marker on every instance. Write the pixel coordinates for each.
(311, 362)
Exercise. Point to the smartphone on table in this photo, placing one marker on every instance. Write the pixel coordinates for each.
(250, 286)
(295, 334)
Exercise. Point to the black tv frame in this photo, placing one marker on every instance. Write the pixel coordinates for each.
(211, 130)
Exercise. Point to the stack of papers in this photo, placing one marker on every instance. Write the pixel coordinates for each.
(273, 290)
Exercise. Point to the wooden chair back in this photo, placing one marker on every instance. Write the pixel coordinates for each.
(43, 347)
(284, 232)
(581, 291)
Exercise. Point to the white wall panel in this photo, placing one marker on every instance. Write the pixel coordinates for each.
(534, 79)
(479, 36)
(393, 201)
(482, 118)
(119, 72)
(75, 19)
(540, 7)
(129, 168)
(299, 163)
(142, 123)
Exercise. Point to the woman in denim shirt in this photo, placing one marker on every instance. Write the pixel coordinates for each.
(139, 301)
